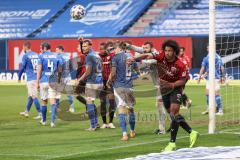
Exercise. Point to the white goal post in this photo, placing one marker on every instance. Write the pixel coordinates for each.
(212, 51)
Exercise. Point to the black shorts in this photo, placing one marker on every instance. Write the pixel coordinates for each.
(80, 88)
(105, 91)
(175, 96)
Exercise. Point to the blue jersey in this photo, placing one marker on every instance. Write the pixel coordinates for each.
(66, 65)
(124, 72)
(94, 60)
(50, 63)
(29, 65)
(218, 65)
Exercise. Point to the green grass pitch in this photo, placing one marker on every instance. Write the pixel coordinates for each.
(25, 138)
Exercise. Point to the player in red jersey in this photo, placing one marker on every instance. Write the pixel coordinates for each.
(172, 77)
(81, 68)
(106, 54)
(184, 58)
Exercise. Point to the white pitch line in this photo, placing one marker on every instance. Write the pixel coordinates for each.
(118, 147)
(111, 148)
(125, 146)
(24, 155)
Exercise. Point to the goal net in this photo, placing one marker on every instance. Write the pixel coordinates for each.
(227, 40)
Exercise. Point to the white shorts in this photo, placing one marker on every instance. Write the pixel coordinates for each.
(217, 85)
(65, 86)
(32, 88)
(92, 91)
(47, 92)
(124, 97)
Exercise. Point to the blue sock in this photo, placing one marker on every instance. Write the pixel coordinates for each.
(53, 113)
(122, 121)
(207, 98)
(57, 102)
(218, 102)
(132, 121)
(29, 103)
(96, 116)
(37, 104)
(91, 114)
(70, 100)
(44, 113)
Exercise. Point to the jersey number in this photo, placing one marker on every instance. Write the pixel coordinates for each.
(50, 65)
(34, 64)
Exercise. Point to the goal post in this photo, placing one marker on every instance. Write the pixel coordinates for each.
(212, 52)
(224, 42)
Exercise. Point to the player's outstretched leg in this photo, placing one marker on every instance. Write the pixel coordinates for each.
(193, 134)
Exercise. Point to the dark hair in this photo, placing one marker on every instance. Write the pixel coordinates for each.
(182, 48)
(173, 44)
(149, 43)
(45, 45)
(27, 44)
(60, 47)
(121, 44)
(109, 43)
(103, 44)
(88, 41)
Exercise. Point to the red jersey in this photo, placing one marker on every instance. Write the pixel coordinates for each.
(170, 71)
(186, 62)
(81, 65)
(106, 63)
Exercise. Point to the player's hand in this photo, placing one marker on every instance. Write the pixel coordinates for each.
(37, 85)
(80, 39)
(166, 85)
(109, 84)
(222, 80)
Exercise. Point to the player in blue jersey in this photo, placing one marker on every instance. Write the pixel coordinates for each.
(66, 76)
(48, 63)
(29, 66)
(94, 81)
(219, 78)
(121, 77)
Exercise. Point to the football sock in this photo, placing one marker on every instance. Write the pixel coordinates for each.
(111, 110)
(44, 113)
(219, 103)
(53, 113)
(132, 121)
(91, 114)
(37, 104)
(181, 121)
(29, 103)
(122, 122)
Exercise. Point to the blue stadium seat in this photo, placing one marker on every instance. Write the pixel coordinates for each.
(191, 18)
(18, 18)
(103, 18)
